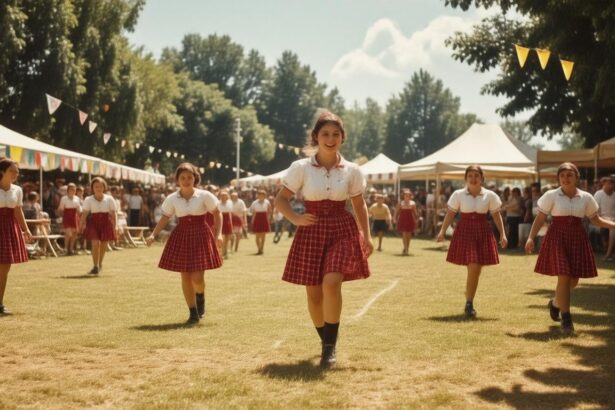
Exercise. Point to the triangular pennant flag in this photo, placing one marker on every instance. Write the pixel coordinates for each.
(52, 103)
(92, 126)
(297, 151)
(212, 164)
(543, 56)
(137, 145)
(106, 137)
(151, 149)
(567, 66)
(202, 170)
(522, 53)
(280, 146)
(123, 143)
(168, 154)
(175, 155)
(160, 150)
(82, 117)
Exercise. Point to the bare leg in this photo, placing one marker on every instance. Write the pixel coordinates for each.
(102, 250)
(198, 281)
(315, 305)
(95, 251)
(472, 280)
(4, 274)
(237, 239)
(332, 297)
(562, 292)
(188, 289)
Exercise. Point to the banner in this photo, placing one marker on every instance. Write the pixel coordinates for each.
(92, 126)
(567, 66)
(543, 56)
(522, 53)
(52, 103)
(82, 117)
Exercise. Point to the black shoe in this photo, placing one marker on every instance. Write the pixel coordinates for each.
(553, 311)
(4, 310)
(567, 328)
(328, 356)
(94, 271)
(469, 311)
(200, 304)
(193, 319)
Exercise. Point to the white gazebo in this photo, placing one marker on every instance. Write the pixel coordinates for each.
(380, 170)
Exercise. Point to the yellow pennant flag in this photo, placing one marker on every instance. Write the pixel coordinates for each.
(16, 153)
(567, 66)
(543, 56)
(522, 53)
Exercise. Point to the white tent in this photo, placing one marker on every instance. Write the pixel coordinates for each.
(34, 154)
(380, 170)
(256, 180)
(499, 154)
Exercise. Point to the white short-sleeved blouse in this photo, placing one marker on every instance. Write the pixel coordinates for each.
(107, 204)
(68, 203)
(200, 203)
(463, 201)
(557, 203)
(258, 206)
(239, 207)
(226, 206)
(11, 198)
(339, 183)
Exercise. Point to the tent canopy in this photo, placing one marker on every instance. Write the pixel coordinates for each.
(602, 155)
(499, 154)
(262, 179)
(380, 170)
(34, 154)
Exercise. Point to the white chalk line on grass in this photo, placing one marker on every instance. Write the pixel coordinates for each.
(277, 344)
(370, 302)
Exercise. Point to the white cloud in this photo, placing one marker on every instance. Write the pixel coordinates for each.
(358, 61)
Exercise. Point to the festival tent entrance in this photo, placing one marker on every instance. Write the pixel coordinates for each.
(380, 170)
(34, 154)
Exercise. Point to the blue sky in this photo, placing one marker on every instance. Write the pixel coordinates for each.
(366, 48)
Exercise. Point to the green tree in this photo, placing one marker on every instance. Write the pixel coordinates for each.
(575, 30)
(365, 128)
(521, 131)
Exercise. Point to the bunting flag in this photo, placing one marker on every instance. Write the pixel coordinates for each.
(202, 170)
(123, 143)
(82, 117)
(45, 161)
(297, 151)
(30, 158)
(543, 56)
(74, 164)
(168, 154)
(92, 126)
(106, 137)
(522, 53)
(15, 153)
(137, 145)
(175, 155)
(52, 103)
(151, 149)
(567, 66)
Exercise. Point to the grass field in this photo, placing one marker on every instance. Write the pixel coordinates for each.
(119, 341)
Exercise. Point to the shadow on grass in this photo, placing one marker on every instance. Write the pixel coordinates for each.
(164, 327)
(461, 318)
(303, 370)
(593, 384)
(86, 276)
(441, 248)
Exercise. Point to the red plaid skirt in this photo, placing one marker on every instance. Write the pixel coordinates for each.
(209, 219)
(566, 250)
(12, 245)
(260, 223)
(70, 218)
(473, 241)
(237, 221)
(406, 221)
(227, 224)
(191, 247)
(333, 244)
(99, 227)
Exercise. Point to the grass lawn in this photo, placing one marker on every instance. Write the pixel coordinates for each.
(119, 341)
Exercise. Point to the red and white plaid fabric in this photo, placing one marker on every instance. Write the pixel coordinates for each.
(209, 219)
(406, 221)
(236, 220)
(191, 247)
(227, 224)
(260, 223)
(12, 245)
(70, 218)
(566, 250)
(333, 244)
(473, 241)
(99, 227)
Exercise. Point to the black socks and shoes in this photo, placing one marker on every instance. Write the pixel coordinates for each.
(4, 310)
(200, 304)
(94, 271)
(553, 311)
(193, 319)
(567, 327)
(329, 339)
(469, 310)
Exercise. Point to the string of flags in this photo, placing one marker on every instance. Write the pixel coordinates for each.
(54, 103)
(543, 58)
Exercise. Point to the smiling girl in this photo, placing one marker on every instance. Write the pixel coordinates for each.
(473, 243)
(328, 248)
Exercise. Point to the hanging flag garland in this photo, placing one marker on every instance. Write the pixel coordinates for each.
(543, 57)
(52, 103)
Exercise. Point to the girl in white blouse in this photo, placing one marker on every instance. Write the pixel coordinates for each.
(70, 208)
(192, 247)
(473, 243)
(225, 206)
(328, 247)
(12, 224)
(239, 218)
(100, 226)
(566, 251)
(261, 213)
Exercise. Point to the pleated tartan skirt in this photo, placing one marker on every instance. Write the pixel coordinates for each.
(99, 227)
(333, 244)
(191, 247)
(70, 218)
(260, 223)
(473, 241)
(566, 250)
(209, 219)
(406, 221)
(237, 221)
(227, 224)
(12, 244)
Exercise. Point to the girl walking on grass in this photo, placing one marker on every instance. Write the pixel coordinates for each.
(225, 206)
(566, 251)
(261, 212)
(70, 208)
(100, 226)
(473, 243)
(192, 247)
(382, 218)
(328, 247)
(406, 215)
(13, 227)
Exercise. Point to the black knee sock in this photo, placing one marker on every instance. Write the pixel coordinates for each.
(200, 303)
(330, 333)
(321, 332)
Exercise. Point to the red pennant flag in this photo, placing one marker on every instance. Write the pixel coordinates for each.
(52, 103)
(82, 117)
(92, 126)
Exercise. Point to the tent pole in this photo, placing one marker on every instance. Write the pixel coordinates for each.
(437, 202)
(40, 188)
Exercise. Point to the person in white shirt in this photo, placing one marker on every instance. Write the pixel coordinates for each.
(381, 218)
(261, 213)
(70, 209)
(192, 247)
(100, 226)
(328, 248)
(225, 206)
(135, 205)
(566, 251)
(239, 218)
(13, 228)
(473, 243)
(605, 198)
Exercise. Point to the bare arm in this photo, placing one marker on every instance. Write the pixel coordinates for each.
(282, 204)
(164, 220)
(84, 217)
(497, 218)
(599, 221)
(538, 222)
(360, 210)
(21, 219)
(217, 223)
